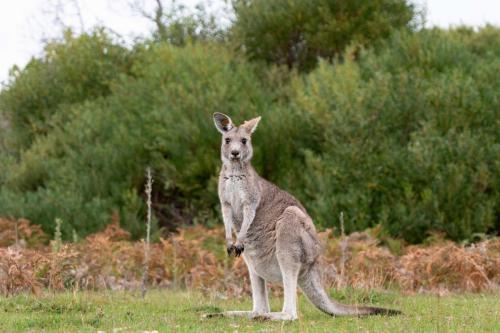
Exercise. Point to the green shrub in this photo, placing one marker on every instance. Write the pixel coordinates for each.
(404, 135)
(159, 116)
(71, 70)
(409, 137)
(297, 32)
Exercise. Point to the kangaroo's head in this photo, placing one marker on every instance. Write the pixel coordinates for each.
(236, 140)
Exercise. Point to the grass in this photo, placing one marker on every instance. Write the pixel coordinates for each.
(181, 311)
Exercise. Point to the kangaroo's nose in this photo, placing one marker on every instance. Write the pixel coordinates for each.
(235, 153)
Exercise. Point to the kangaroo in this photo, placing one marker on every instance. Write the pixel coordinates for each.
(275, 235)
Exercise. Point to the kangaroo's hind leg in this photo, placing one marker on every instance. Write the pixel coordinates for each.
(259, 297)
(290, 271)
(259, 293)
(290, 252)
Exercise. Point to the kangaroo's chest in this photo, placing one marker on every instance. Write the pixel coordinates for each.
(236, 193)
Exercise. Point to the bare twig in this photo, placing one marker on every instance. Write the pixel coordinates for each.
(57, 242)
(16, 222)
(147, 190)
(79, 14)
(343, 247)
(157, 17)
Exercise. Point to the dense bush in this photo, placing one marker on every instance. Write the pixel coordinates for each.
(72, 70)
(297, 32)
(405, 136)
(408, 137)
(160, 115)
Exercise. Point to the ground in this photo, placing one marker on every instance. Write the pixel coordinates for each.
(181, 311)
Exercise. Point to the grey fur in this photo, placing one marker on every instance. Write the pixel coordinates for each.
(275, 234)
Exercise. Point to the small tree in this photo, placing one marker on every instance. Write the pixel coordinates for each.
(175, 24)
(296, 32)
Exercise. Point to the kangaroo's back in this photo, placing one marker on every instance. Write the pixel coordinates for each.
(273, 203)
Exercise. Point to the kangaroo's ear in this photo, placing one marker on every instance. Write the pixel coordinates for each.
(251, 125)
(223, 123)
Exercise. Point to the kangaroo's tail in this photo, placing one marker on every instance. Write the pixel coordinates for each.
(313, 289)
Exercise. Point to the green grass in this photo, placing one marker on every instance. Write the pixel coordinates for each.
(169, 311)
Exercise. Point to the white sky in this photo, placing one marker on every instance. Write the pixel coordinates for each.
(24, 23)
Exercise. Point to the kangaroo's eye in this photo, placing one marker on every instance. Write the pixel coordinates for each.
(244, 141)
(228, 140)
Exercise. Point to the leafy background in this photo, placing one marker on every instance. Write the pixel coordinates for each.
(391, 123)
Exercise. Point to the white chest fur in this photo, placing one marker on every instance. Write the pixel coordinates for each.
(236, 193)
(235, 190)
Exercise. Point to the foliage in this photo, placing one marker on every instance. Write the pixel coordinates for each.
(21, 233)
(297, 32)
(195, 258)
(72, 70)
(181, 29)
(93, 163)
(404, 135)
(176, 25)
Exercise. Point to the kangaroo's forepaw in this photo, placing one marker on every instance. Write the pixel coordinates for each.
(235, 249)
(238, 250)
(230, 249)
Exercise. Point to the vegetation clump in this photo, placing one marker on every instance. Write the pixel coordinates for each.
(195, 258)
(395, 126)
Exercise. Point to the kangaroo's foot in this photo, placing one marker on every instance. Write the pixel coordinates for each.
(232, 314)
(276, 316)
(252, 315)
